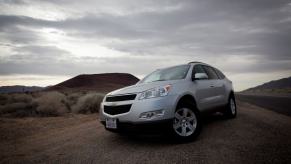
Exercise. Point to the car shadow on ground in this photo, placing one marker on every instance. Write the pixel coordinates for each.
(163, 137)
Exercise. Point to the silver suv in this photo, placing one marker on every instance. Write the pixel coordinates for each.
(171, 98)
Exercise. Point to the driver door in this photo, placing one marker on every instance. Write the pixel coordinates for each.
(205, 92)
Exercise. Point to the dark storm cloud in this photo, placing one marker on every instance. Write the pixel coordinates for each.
(221, 27)
(35, 59)
(15, 29)
(14, 1)
(214, 29)
(38, 53)
(21, 64)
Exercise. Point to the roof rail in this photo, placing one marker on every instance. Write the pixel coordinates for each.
(194, 62)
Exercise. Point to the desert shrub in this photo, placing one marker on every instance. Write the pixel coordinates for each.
(10, 108)
(3, 99)
(48, 103)
(51, 104)
(73, 98)
(19, 104)
(88, 103)
(18, 109)
(20, 97)
(15, 98)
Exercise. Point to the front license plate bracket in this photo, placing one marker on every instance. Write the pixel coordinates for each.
(111, 123)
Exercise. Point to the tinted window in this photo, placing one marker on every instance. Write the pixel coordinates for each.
(172, 73)
(210, 72)
(220, 74)
(198, 69)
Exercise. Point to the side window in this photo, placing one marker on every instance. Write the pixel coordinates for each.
(220, 74)
(198, 69)
(210, 72)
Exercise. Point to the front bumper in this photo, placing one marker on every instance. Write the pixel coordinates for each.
(142, 127)
(166, 103)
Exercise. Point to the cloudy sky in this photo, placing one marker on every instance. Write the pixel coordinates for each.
(43, 42)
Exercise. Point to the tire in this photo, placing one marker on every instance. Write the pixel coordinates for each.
(231, 109)
(186, 125)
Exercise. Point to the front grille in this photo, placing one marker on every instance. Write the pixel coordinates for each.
(120, 98)
(114, 110)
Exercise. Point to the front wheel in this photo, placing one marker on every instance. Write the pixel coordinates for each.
(186, 124)
(231, 110)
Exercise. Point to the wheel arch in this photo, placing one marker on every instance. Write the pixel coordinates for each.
(231, 94)
(186, 97)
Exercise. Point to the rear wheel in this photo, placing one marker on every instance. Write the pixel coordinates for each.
(230, 110)
(186, 123)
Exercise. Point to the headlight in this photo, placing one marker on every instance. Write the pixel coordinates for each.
(155, 92)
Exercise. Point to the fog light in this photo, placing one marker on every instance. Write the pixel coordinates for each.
(152, 114)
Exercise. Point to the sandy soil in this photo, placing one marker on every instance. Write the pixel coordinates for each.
(255, 136)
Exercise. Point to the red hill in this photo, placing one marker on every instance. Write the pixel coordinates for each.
(98, 82)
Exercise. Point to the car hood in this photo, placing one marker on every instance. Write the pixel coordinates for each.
(137, 88)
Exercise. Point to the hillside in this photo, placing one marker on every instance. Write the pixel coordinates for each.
(275, 86)
(19, 89)
(98, 82)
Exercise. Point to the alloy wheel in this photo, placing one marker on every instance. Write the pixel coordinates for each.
(232, 107)
(185, 122)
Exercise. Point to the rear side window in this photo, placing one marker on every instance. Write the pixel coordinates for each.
(210, 72)
(220, 74)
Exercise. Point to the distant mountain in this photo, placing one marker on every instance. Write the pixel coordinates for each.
(281, 84)
(96, 82)
(19, 89)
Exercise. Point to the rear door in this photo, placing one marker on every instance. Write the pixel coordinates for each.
(203, 91)
(222, 87)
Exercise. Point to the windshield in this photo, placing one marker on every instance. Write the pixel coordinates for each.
(172, 73)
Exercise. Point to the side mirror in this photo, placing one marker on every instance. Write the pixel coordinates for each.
(200, 76)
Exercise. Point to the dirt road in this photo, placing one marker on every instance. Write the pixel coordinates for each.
(255, 136)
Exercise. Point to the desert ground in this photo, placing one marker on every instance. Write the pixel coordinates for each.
(257, 135)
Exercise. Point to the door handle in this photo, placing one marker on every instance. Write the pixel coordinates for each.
(211, 86)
